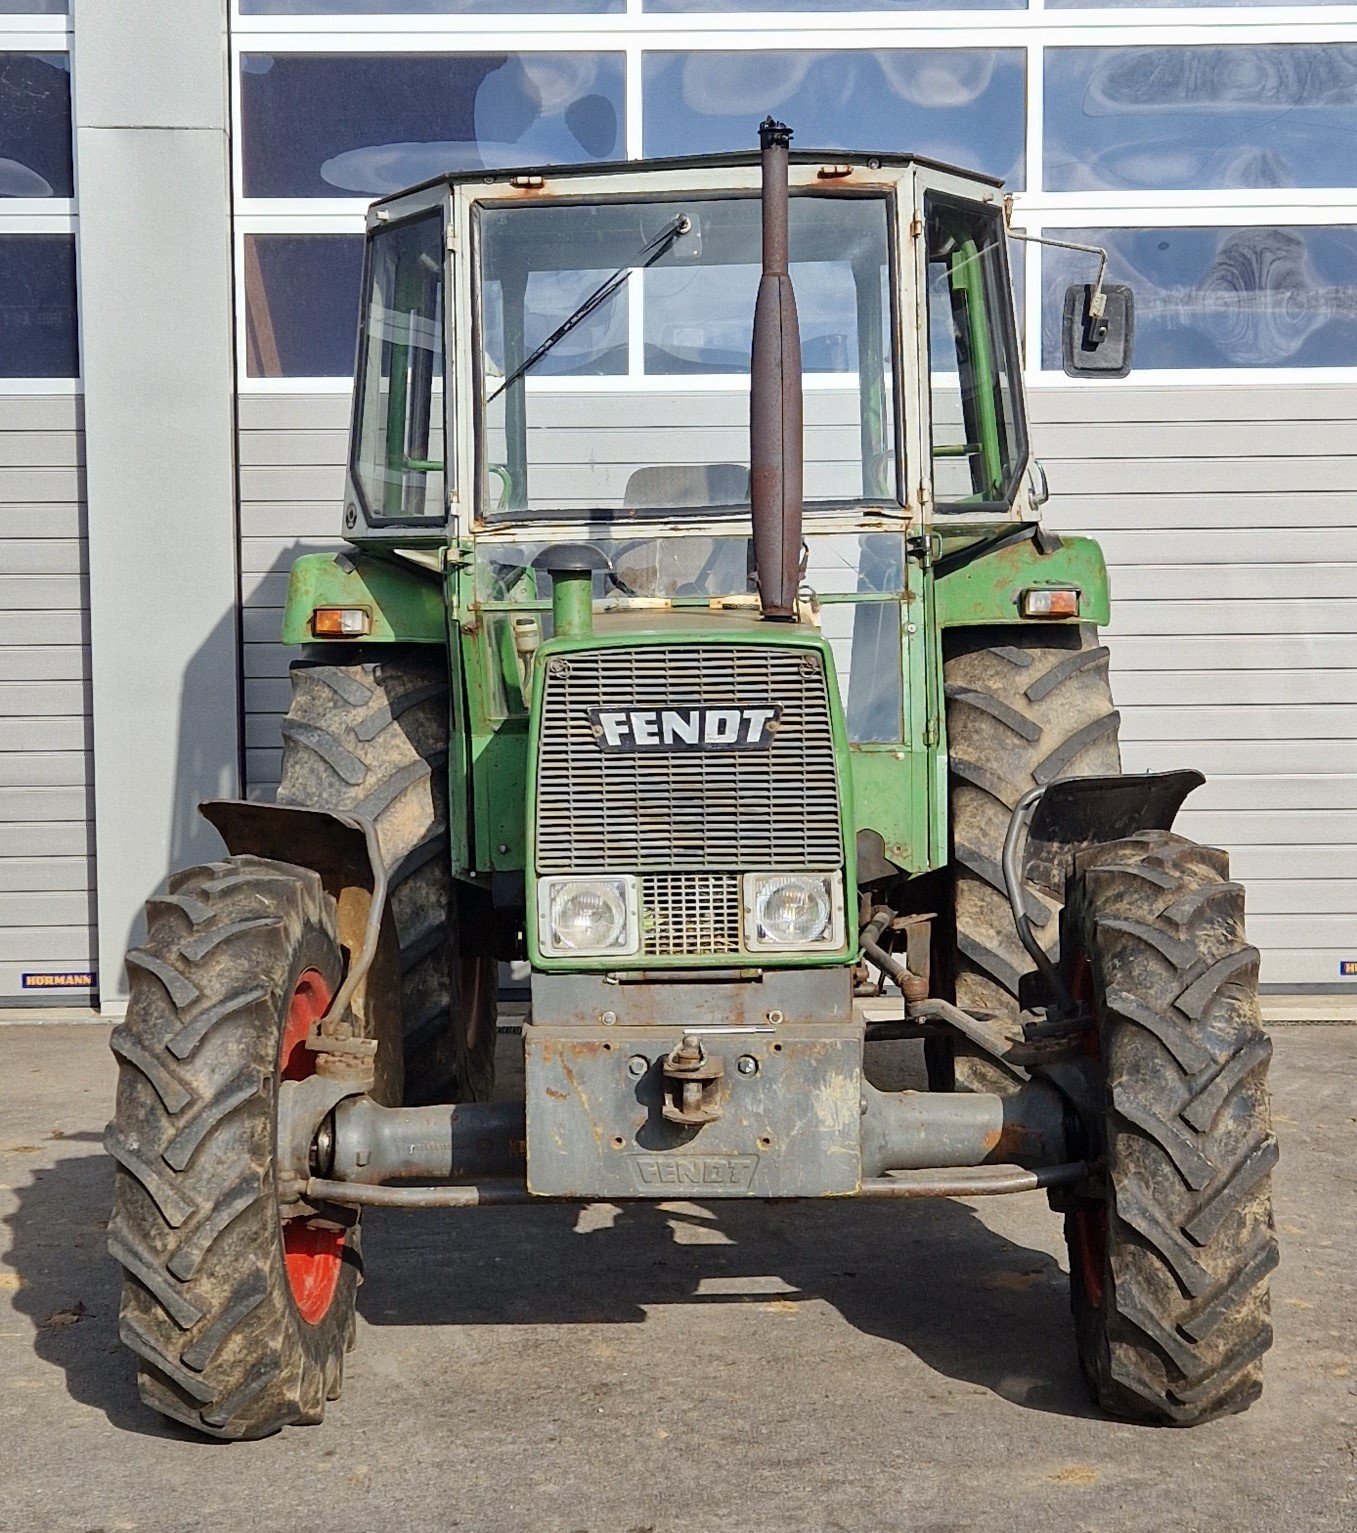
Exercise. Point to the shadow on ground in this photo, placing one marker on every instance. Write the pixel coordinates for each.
(928, 1276)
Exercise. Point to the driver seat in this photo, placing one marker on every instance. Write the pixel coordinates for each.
(665, 485)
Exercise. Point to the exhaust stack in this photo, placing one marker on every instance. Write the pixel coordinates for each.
(775, 407)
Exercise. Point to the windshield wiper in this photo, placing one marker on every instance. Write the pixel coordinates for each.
(601, 294)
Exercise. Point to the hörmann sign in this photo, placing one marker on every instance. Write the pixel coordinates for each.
(685, 729)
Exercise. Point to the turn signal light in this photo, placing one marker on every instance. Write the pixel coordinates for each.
(341, 622)
(1046, 602)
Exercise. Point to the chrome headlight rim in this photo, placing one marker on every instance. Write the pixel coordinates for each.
(829, 882)
(551, 892)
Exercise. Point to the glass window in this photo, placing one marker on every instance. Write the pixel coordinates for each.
(979, 439)
(365, 125)
(835, 5)
(1234, 297)
(399, 462)
(35, 125)
(37, 306)
(626, 444)
(1200, 117)
(414, 7)
(964, 106)
(301, 304)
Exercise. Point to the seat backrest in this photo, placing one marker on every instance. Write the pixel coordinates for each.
(687, 484)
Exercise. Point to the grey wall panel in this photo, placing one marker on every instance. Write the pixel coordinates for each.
(1228, 518)
(46, 871)
(151, 112)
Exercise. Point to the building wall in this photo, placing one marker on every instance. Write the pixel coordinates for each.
(46, 788)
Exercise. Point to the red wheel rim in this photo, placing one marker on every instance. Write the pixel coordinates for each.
(1088, 1226)
(314, 1257)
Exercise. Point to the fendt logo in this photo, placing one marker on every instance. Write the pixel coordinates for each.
(684, 729)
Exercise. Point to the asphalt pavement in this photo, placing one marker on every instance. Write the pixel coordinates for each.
(677, 1368)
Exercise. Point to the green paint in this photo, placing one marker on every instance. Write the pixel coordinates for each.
(406, 600)
(968, 282)
(572, 604)
(986, 590)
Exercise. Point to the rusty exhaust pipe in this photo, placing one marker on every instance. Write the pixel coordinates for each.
(775, 406)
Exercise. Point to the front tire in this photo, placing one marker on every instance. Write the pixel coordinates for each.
(239, 1320)
(1169, 1274)
(1024, 706)
(370, 738)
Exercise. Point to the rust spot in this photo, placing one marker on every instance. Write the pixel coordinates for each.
(557, 1096)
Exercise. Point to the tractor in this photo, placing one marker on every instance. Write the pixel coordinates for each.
(697, 655)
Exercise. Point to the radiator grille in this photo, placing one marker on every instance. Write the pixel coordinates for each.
(687, 810)
(690, 915)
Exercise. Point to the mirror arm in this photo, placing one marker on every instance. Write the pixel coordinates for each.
(1097, 301)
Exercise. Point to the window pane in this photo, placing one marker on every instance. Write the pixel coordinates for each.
(35, 125)
(399, 463)
(836, 5)
(1257, 297)
(1083, 4)
(301, 304)
(415, 7)
(360, 125)
(630, 445)
(979, 440)
(37, 306)
(1195, 118)
(963, 106)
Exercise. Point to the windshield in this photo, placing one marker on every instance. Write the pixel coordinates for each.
(614, 352)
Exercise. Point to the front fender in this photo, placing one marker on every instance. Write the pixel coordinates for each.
(343, 850)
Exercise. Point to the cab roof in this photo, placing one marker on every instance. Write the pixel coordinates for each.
(734, 160)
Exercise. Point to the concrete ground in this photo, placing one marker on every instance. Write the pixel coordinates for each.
(649, 1369)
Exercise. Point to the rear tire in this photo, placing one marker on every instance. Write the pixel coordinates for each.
(240, 1324)
(1169, 1275)
(1024, 706)
(370, 738)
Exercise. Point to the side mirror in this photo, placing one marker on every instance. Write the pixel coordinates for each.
(1098, 330)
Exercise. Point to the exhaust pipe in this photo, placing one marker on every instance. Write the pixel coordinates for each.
(775, 407)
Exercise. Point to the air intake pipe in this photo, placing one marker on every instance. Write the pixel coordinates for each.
(775, 407)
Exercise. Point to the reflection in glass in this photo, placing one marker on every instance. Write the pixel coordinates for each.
(37, 306)
(964, 106)
(626, 445)
(834, 5)
(365, 125)
(301, 304)
(35, 125)
(399, 461)
(416, 7)
(1241, 297)
(1201, 117)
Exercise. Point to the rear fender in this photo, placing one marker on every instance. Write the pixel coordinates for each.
(343, 850)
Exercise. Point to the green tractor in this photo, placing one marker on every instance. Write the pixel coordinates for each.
(721, 677)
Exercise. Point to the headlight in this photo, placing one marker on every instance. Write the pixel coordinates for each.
(583, 916)
(793, 910)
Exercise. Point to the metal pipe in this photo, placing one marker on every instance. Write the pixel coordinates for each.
(358, 1195)
(374, 1144)
(977, 1184)
(775, 402)
(945, 1183)
(914, 1130)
